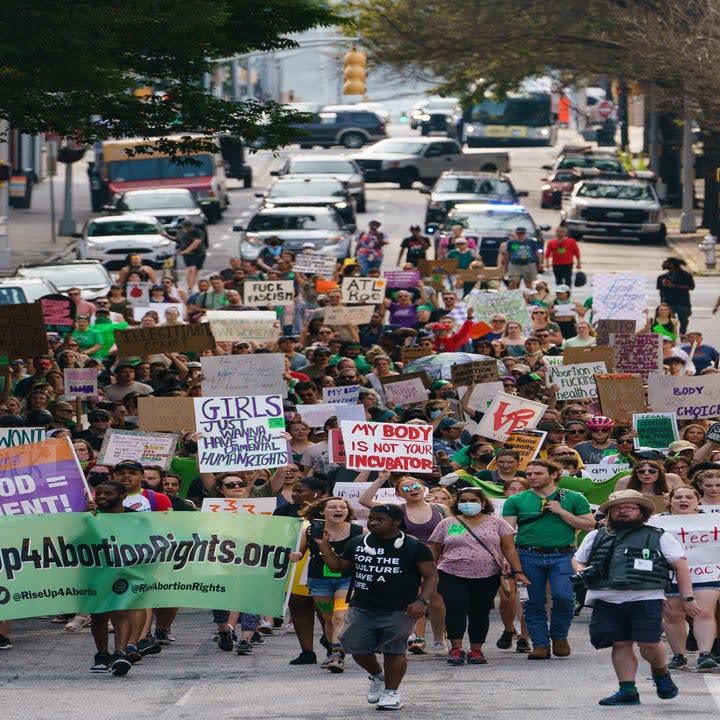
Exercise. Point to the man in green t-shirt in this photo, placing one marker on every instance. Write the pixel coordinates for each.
(547, 519)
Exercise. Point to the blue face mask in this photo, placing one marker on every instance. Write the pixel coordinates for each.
(434, 413)
(275, 250)
(471, 509)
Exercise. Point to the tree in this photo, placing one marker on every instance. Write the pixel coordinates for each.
(70, 66)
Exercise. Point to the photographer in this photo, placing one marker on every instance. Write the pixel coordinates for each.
(626, 567)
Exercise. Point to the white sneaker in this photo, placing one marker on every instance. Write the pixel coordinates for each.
(439, 648)
(265, 627)
(376, 687)
(290, 629)
(389, 700)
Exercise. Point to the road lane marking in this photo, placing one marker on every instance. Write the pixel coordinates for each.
(183, 700)
(713, 686)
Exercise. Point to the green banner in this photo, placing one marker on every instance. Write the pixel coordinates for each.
(77, 562)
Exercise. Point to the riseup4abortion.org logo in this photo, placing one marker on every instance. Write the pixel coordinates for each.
(120, 587)
(4, 596)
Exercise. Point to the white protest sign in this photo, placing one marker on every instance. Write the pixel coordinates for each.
(508, 413)
(619, 296)
(347, 411)
(575, 381)
(313, 264)
(484, 394)
(600, 473)
(268, 292)
(510, 303)
(351, 492)
(388, 446)
(348, 315)
(139, 311)
(226, 375)
(551, 361)
(80, 382)
(341, 394)
(11, 437)
(241, 433)
(405, 392)
(260, 326)
(247, 506)
(363, 291)
(316, 415)
(689, 397)
(143, 447)
(138, 293)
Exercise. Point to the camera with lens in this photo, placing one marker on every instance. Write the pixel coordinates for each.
(589, 574)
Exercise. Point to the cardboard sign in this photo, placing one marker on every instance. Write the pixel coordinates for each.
(472, 373)
(313, 264)
(363, 291)
(81, 382)
(164, 414)
(406, 389)
(59, 312)
(22, 331)
(507, 414)
(637, 353)
(605, 327)
(620, 395)
(527, 443)
(144, 447)
(248, 506)
(241, 433)
(713, 433)
(402, 278)
(336, 447)
(413, 352)
(575, 382)
(139, 311)
(592, 354)
(341, 394)
(161, 339)
(11, 437)
(655, 430)
(260, 326)
(601, 473)
(138, 293)
(388, 446)
(243, 375)
(689, 397)
(257, 293)
(348, 314)
(437, 268)
(619, 296)
(510, 303)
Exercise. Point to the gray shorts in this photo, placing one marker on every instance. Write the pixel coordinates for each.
(527, 272)
(367, 631)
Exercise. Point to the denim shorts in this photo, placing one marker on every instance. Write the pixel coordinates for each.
(327, 587)
(696, 586)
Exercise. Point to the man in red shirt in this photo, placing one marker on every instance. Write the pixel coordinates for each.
(562, 252)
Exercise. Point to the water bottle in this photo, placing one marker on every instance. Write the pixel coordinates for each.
(522, 592)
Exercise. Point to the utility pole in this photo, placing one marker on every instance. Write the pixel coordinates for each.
(687, 219)
(67, 222)
(5, 257)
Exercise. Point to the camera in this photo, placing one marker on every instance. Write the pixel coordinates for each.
(590, 573)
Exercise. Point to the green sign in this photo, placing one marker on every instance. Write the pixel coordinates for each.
(655, 430)
(80, 563)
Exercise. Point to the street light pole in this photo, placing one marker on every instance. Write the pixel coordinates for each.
(687, 219)
(67, 222)
(5, 257)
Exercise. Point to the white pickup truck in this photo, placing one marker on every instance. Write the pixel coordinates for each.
(405, 160)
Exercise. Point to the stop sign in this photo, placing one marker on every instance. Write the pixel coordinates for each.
(605, 109)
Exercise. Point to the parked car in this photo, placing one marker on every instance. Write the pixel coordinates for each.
(343, 125)
(88, 275)
(296, 226)
(343, 168)
(309, 190)
(439, 116)
(463, 187)
(14, 290)
(111, 238)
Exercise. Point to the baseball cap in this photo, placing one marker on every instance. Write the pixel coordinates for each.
(528, 378)
(448, 422)
(283, 338)
(129, 465)
(438, 384)
(550, 426)
(308, 246)
(439, 326)
(98, 415)
(193, 365)
(562, 288)
(391, 510)
(679, 445)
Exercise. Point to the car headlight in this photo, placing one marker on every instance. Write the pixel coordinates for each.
(341, 205)
(165, 244)
(253, 239)
(654, 216)
(470, 129)
(425, 118)
(269, 204)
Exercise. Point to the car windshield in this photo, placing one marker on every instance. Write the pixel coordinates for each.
(11, 295)
(149, 201)
(602, 164)
(500, 222)
(274, 223)
(494, 187)
(291, 188)
(441, 105)
(121, 227)
(615, 192)
(328, 167)
(65, 276)
(401, 147)
(159, 168)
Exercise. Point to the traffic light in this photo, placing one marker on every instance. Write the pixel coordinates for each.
(354, 64)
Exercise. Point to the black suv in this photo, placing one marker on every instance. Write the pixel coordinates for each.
(342, 125)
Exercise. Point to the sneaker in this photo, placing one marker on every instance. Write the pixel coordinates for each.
(665, 688)
(243, 648)
(225, 640)
(376, 687)
(290, 629)
(456, 656)
(522, 646)
(103, 661)
(306, 657)
(389, 700)
(164, 637)
(257, 639)
(476, 657)
(265, 627)
(120, 664)
(439, 648)
(5, 643)
(705, 661)
(505, 640)
(336, 662)
(417, 647)
(148, 646)
(132, 654)
(678, 661)
(621, 698)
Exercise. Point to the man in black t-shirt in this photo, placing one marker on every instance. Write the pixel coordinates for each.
(394, 578)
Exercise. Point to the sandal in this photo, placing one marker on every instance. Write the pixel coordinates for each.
(62, 619)
(78, 623)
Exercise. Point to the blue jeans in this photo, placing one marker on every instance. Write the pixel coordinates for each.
(541, 568)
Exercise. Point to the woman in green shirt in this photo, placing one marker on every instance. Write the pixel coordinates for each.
(88, 339)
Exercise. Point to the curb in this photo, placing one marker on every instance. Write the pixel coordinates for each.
(686, 248)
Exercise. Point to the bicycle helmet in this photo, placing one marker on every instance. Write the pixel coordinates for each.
(600, 422)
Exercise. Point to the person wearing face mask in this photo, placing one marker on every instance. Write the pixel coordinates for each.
(469, 462)
(268, 257)
(471, 550)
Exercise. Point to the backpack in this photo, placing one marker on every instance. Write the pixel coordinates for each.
(521, 253)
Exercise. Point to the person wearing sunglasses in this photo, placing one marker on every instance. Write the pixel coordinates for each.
(540, 320)
(649, 478)
(624, 439)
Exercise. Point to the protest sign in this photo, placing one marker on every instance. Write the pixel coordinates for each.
(508, 413)
(22, 331)
(316, 415)
(413, 352)
(312, 264)
(138, 293)
(437, 269)
(348, 411)
(42, 477)
(592, 354)
(144, 447)
(619, 296)
(472, 373)
(363, 290)
(10, 437)
(351, 492)
(249, 506)
(139, 311)
(163, 414)
(713, 433)
(402, 278)
(601, 473)
(689, 397)
(117, 561)
(406, 389)
(260, 326)
(165, 338)
(484, 394)
(509, 303)
(59, 312)
(655, 430)
(336, 447)
(80, 382)
(257, 293)
(388, 446)
(637, 353)
(225, 375)
(341, 394)
(348, 314)
(605, 327)
(550, 361)
(575, 382)
(621, 394)
(526, 442)
(241, 433)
